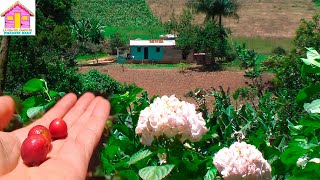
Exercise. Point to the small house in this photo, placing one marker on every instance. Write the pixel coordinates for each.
(17, 16)
(156, 51)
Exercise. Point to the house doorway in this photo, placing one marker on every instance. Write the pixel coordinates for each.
(17, 23)
(146, 53)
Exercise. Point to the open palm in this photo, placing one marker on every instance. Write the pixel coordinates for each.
(69, 158)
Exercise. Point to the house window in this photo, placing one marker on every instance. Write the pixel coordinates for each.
(10, 18)
(157, 49)
(25, 18)
(139, 49)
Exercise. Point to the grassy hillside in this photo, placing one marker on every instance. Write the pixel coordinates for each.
(263, 24)
(132, 18)
(258, 18)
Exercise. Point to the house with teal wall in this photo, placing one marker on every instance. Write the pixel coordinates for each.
(156, 51)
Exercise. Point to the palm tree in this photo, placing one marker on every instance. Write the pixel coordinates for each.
(216, 9)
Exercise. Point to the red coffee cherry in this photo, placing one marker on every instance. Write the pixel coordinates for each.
(58, 129)
(34, 150)
(39, 129)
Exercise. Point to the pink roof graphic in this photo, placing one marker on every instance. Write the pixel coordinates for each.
(17, 16)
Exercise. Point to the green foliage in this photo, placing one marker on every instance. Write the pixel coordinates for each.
(88, 30)
(124, 152)
(215, 9)
(155, 172)
(279, 51)
(212, 40)
(308, 35)
(317, 2)
(47, 55)
(99, 83)
(301, 155)
(116, 41)
(131, 18)
(247, 57)
(116, 13)
(39, 101)
(182, 66)
(186, 31)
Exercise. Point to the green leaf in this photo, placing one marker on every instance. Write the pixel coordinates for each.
(312, 121)
(155, 172)
(35, 111)
(292, 154)
(312, 57)
(306, 93)
(110, 151)
(125, 130)
(306, 69)
(34, 85)
(211, 174)
(33, 101)
(313, 107)
(230, 111)
(128, 175)
(136, 91)
(139, 156)
(53, 93)
(106, 165)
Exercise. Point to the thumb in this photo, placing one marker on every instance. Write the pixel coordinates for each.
(6, 110)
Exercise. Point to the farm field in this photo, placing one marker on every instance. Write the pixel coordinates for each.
(257, 18)
(170, 81)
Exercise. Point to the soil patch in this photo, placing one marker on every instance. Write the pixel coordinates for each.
(171, 81)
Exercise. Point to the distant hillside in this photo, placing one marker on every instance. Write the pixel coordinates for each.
(116, 13)
(263, 18)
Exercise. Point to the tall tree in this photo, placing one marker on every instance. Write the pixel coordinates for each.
(216, 9)
(4, 52)
(41, 55)
(187, 33)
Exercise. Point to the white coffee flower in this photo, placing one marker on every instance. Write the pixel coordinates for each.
(242, 161)
(169, 117)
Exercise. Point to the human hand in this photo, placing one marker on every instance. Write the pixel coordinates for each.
(69, 158)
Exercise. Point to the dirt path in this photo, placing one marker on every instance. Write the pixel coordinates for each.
(171, 81)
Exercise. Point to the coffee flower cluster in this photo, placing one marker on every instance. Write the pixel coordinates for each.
(242, 161)
(170, 117)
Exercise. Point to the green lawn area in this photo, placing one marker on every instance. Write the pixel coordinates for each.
(235, 65)
(152, 66)
(317, 2)
(133, 32)
(263, 45)
(90, 56)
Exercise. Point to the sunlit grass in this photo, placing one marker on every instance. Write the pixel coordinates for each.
(152, 66)
(90, 56)
(132, 32)
(263, 45)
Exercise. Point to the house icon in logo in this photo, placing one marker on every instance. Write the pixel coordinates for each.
(17, 16)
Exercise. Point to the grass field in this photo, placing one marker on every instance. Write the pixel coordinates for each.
(152, 66)
(90, 56)
(263, 45)
(134, 32)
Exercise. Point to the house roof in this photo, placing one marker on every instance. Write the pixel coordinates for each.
(155, 42)
(14, 5)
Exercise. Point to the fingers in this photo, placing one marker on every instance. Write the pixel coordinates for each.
(59, 110)
(80, 107)
(93, 128)
(6, 110)
(85, 134)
